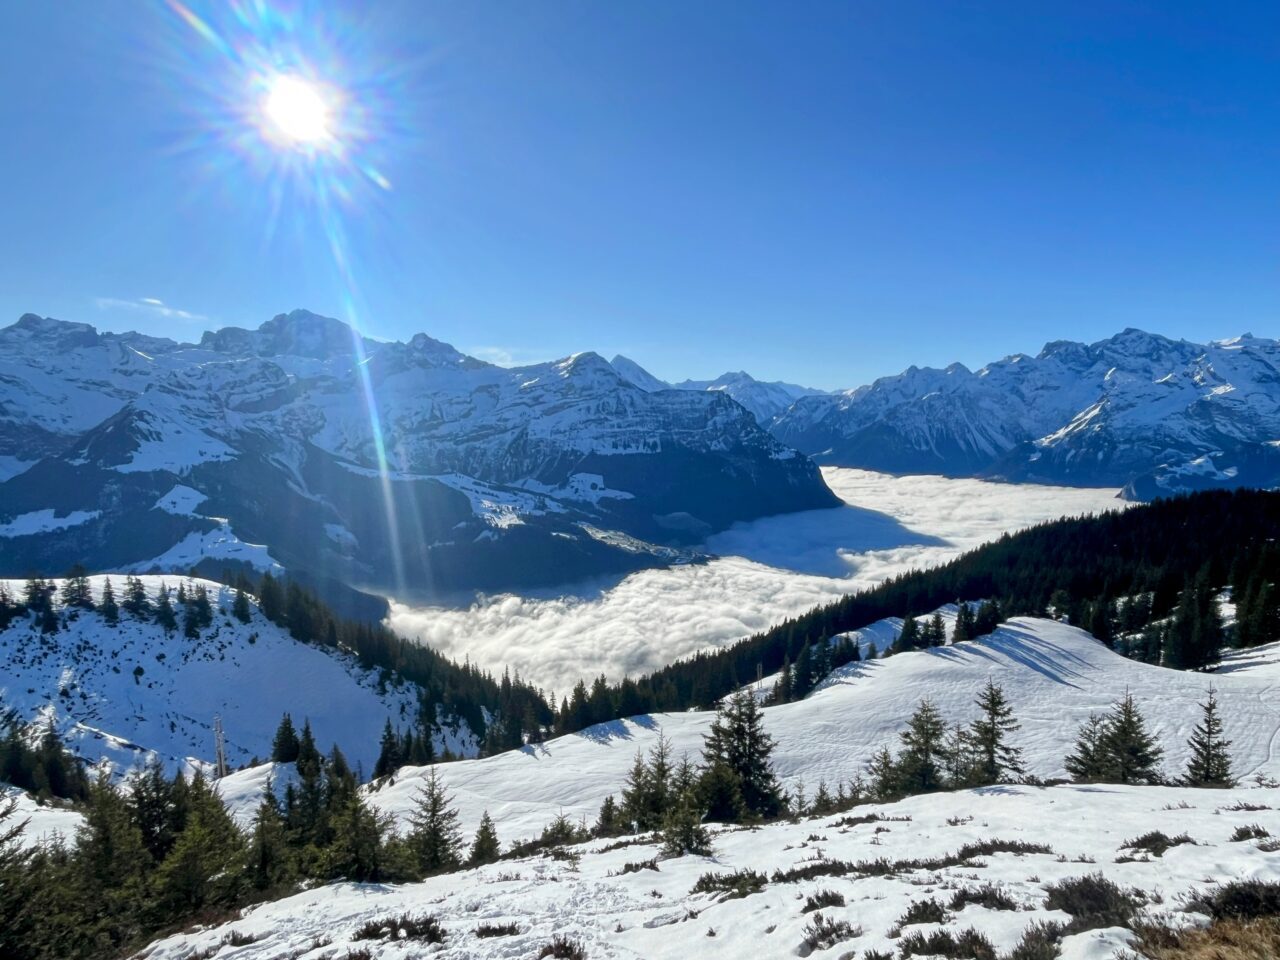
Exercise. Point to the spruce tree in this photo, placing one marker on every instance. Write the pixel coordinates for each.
(205, 868)
(1089, 762)
(107, 606)
(485, 848)
(908, 636)
(922, 762)
(737, 743)
(682, 830)
(135, 598)
(937, 634)
(1210, 763)
(389, 757)
(435, 838)
(964, 623)
(284, 748)
(240, 608)
(1132, 754)
(609, 820)
(18, 909)
(75, 589)
(164, 614)
(996, 761)
(357, 850)
(883, 774)
(269, 858)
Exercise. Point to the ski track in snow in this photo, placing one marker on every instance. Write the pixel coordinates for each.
(765, 571)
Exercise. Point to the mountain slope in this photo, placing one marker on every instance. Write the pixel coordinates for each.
(1136, 410)
(1053, 674)
(398, 466)
(126, 692)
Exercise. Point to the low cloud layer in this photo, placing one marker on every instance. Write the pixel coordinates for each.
(766, 571)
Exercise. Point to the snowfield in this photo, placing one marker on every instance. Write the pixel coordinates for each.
(125, 693)
(765, 571)
(1054, 676)
(652, 913)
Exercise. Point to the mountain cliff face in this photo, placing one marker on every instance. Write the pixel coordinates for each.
(1140, 411)
(396, 466)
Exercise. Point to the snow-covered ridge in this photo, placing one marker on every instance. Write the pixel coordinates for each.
(1137, 409)
(122, 694)
(1054, 675)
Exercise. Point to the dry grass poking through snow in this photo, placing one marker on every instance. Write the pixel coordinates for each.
(1224, 940)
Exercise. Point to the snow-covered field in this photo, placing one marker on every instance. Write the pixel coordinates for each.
(766, 571)
(1053, 674)
(653, 914)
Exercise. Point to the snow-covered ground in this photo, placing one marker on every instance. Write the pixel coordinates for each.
(1053, 674)
(766, 571)
(653, 914)
(123, 693)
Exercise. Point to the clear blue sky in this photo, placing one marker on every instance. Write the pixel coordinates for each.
(820, 192)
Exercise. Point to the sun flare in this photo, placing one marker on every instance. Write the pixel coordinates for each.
(297, 111)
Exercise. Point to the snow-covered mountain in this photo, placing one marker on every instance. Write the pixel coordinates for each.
(1137, 410)
(765, 400)
(122, 693)
(401, 466)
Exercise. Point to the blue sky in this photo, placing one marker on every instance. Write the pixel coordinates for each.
(818, 192)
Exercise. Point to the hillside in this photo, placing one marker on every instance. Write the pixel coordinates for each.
(125, 692)
(1053, 674)
(615, 907)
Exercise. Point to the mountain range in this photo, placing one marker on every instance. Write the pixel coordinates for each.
(1150, 414)
(373, 467)
(405, 467)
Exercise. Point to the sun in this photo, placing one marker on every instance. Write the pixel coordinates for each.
(297, 111)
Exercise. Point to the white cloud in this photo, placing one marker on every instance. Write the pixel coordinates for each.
(503, 357)
(766, 571)
(148, 305)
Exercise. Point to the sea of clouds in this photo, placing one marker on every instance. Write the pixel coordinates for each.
(764, 571)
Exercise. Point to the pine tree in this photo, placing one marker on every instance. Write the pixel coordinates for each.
(964, 628)
(883, 773)
(357, 848)
(1132, 755)
(922, 762)
(937, 633)
(390, 758)
(682, 830)
(110, 868)
(737, 742)
(206, 865)
(609, 821)
(107, 606)
(240, 608)
(135, 598)
(271, 599)
(435, 838)
(270, 859)
(164, 614)
(284, 748)
(1210, 763)
(75, 589)
(908, 637)
(995, 760)
(18, 910)
(1089, 762)
(485, 848)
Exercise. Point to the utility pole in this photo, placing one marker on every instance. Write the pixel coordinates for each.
(220, 746)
